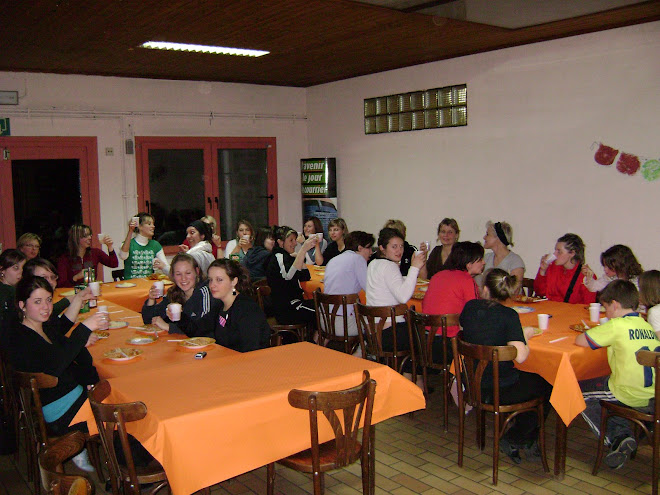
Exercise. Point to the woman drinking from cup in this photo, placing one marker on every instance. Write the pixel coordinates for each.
(257, 256)
(488, 322)
(81, 255)
(141, 254)
(285, 270)
(498, 238)
(190, 290)
(237, 322)
(560, 276)
(337, 230)
(448, 233)
(243, 241)
(29, 244)
(197, 234)
(312, 226)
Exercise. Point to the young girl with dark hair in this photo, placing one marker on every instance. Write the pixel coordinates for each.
(237, 322)
(619, 263)
(257, 256)
(190, 290)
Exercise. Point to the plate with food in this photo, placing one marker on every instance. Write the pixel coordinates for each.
(536, 331)
(151, 329)
(114, 325)
(422, 281)
(522, 309)
(167, 282)
(527, 299)
(579, 327)
(197, 342)
(142, 339)
(122, 354)
(125, 285)
(602, 308)
(101, 334)
(158, 276)
(418, 295)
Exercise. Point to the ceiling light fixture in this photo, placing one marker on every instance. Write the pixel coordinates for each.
(221, 50)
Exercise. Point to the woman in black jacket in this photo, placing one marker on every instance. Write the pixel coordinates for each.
(238, 322)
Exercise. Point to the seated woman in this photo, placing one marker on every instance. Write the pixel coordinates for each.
(347, 274)
(448, 233)
(190, 290)
(197, 234)
(40, 267)
(452, 287)
(29, 244)
(141, 254)
(408, 250)
(39, 345)
(649, 296)
(337, 231)
(619, 262)
(11, 271)
(215, 241)
(243, 242)
(312, 226)
(488, 322)
(498, 238)
(387, 287)
(82, 255)
(562, 280)
(257, 256)
(237, 322)
(284, 272)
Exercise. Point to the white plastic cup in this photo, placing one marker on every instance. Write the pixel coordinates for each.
(594, 312)
(551, 257)
(105, 324)
(175, 310)
(427, 244)
(136, 220)
(101, 236)
(320, 236)
(246, 237)
(543, 321)
(604, 319)
(95, 287)
(160, 287)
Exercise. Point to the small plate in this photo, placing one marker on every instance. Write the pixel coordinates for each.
(122, 354)
(197, 342)
(101, 334)
(537, 331)
(125, 285)
(142, 340)
(418, 295)
(151, 330)
(68, 293)
(167, 282)
(522, 309)
(114, 325)
(578, 327)
(528, 300)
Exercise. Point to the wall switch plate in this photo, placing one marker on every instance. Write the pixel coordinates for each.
(8, 97)
(109, 151)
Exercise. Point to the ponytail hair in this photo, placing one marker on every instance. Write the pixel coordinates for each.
(501, 285)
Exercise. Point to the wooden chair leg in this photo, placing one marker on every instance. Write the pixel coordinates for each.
(445, 398)
(544, 459)
(461, 431)
(601, 440)
(496, 446)
(270, 478)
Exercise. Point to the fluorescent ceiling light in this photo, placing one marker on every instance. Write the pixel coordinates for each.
(164, 45)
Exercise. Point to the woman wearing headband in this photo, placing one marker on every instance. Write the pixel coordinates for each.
(498, 238)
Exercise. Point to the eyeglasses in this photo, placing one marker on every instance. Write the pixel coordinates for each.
(51, 278)
(32, 246)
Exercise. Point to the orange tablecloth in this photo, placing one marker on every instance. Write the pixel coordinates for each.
(562, 363)
(128, 297)
(209, 420)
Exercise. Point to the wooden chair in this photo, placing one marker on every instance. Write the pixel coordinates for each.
(11, 407)
(117, 275)
(50, 461)
(371, 320)
(473, 359)
(113, 417)
(345, 448)
(327, 309)
(297, 331)
(528, 287)
(427, 327)
(651, 362)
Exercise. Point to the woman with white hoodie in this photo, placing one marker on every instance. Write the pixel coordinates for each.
(197, 234)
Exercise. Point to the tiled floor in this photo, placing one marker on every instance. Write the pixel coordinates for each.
(414, 456)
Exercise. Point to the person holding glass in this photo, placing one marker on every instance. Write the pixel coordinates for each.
(82, 255)
(140, 252)
(243, 242)
(448, 233)
(312, 226)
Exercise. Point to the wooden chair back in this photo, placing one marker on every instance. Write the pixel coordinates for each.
(29, 385)
(50, 462)
(426, 328)
(327, 313)
(371, 321)
(527, 287)
(117, 275)
(111, 418)
(297, 331)
(262, 291)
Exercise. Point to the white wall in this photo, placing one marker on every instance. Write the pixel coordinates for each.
(525, 156)
(113, 108)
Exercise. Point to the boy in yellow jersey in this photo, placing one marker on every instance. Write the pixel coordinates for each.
(630, 383)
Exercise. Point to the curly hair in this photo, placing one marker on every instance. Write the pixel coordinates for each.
(622, 261)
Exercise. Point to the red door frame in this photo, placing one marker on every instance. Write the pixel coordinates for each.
(82, 148)
(210, 145)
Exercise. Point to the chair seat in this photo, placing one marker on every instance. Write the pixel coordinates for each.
(302, 461)
(517, 407)
(151, 473)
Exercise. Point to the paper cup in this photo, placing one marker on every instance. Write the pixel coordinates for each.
(594, 312)
(101, 237)
(551, 257)
(160, 286)
(543, 321)
(320, 236)
(105, 324)
(604, 320)
(136, 220)
(175, 309)
(95, 288)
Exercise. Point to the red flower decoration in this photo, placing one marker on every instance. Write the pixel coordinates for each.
(605, 155)
(628, 164)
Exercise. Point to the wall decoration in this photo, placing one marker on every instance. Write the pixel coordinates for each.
(627, 163)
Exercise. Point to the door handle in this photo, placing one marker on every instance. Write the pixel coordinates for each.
(148, 206)
(270, 196)
(208, 198)
(217, 203)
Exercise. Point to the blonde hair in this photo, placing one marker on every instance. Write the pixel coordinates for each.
(210, 221)
(396, 225)
(506, 229)
(501, 285)
(27, 237)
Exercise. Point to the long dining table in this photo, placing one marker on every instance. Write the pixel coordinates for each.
(129, 294)
(212, 419)
(555, 357)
